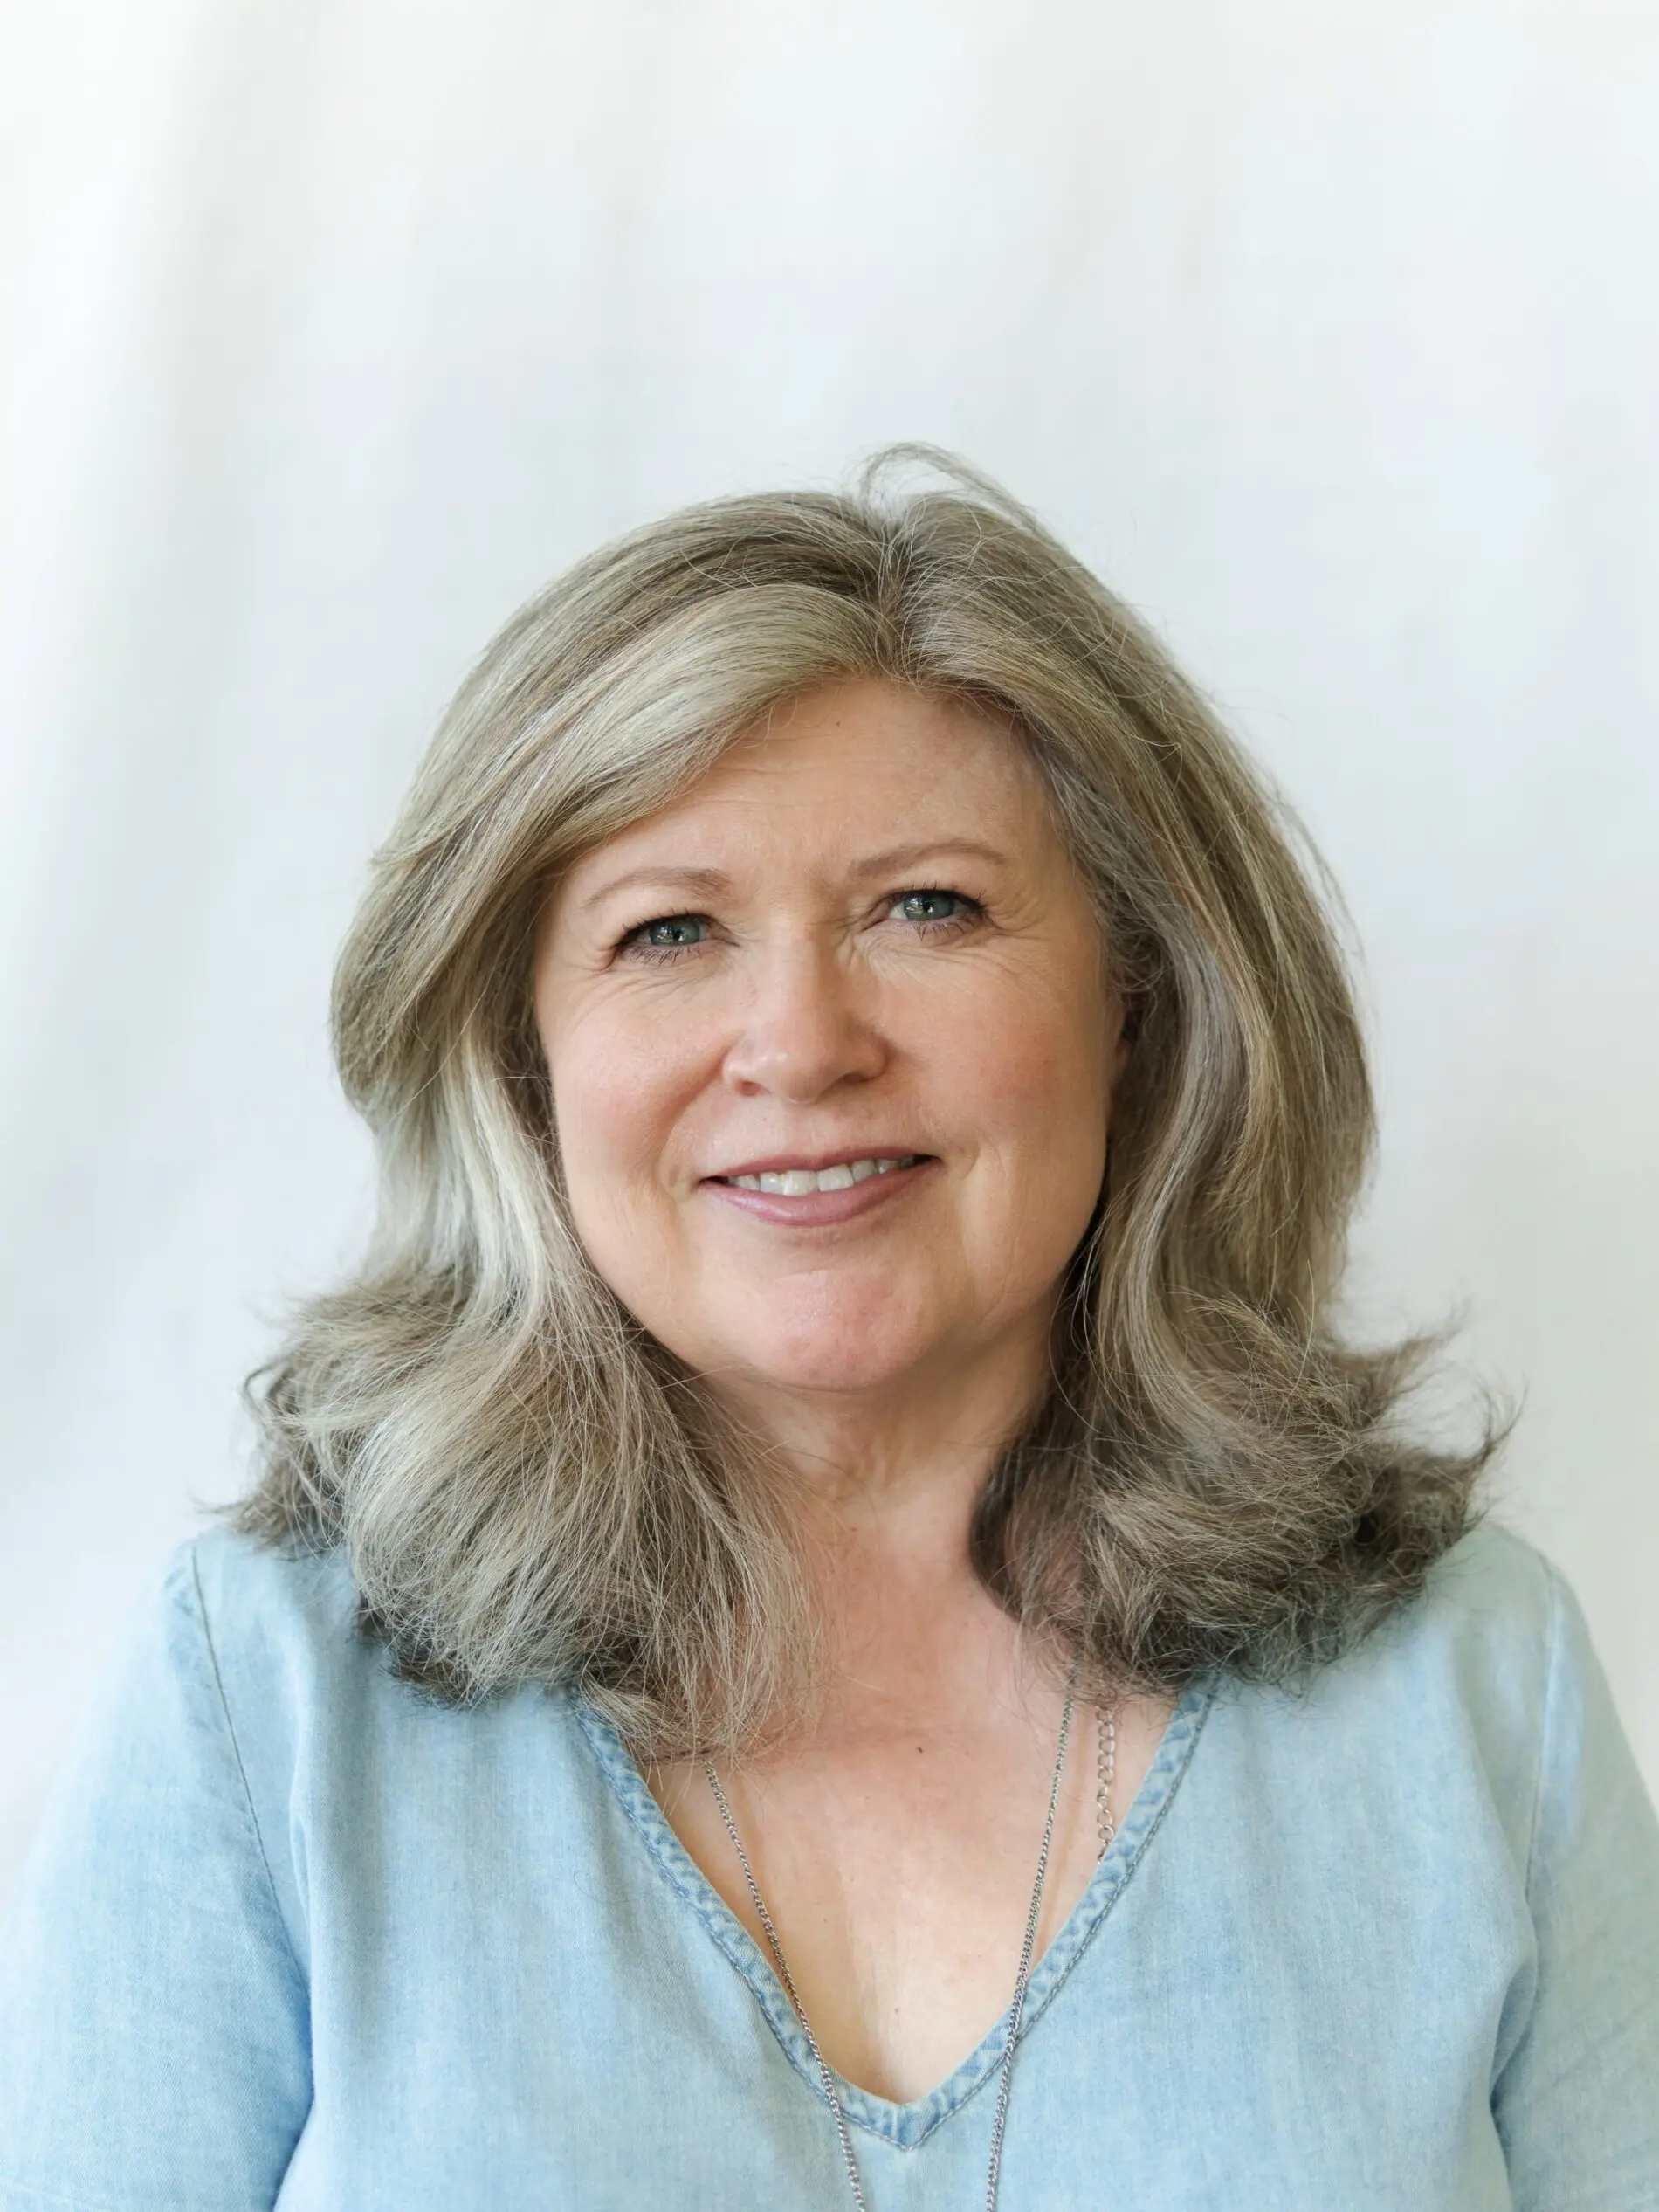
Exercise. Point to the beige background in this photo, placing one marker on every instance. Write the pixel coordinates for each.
(333, 326)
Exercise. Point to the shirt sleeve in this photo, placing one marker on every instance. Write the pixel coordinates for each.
(1577, 2098)
(154, 2042)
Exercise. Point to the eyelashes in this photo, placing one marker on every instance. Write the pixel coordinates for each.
(668, 934)
(665, 938)
(962, 908)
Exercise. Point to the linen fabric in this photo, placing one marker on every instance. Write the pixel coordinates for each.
(295, 1935)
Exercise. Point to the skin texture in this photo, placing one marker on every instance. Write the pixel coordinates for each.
(860, 935)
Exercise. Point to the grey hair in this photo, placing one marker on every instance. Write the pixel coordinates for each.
(530, 1488)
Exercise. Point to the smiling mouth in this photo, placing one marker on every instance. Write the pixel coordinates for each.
(804, 1182)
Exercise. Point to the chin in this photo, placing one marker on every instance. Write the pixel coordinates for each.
(858, 1354)
(825, 1372)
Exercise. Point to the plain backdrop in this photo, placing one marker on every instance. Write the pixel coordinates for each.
(333, 327)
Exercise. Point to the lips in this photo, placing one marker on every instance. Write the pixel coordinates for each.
(793, 1192)
(797, 1180)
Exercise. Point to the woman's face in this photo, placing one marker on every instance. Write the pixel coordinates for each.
(832, 1049)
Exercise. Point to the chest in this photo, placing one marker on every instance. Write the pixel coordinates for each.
(901, 1867)
(530, 1994)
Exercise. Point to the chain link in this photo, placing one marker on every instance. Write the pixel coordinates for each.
(1105, 1739)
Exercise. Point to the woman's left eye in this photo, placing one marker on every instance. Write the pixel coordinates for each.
(668, 934)
(933, 905)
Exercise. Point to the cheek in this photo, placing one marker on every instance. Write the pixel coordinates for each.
(1036, 1074)
(615, 1100)
(1036, 1082)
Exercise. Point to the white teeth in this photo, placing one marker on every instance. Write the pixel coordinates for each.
(801, 1182)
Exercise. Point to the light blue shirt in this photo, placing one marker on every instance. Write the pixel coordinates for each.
(295, 1935)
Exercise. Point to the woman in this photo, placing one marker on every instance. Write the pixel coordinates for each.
(828, 1618)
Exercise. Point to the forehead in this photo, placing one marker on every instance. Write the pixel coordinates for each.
(875, 727)
(835, 767)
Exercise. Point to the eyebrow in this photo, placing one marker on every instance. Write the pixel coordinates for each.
(711, 882)
(708, 881)
(913, 856)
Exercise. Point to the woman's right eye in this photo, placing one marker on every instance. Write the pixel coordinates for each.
(669, 934)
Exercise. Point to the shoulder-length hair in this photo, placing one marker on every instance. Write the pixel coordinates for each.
(529, 1487)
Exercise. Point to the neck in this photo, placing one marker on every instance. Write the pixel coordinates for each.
(863, 1456)
(890, 1482)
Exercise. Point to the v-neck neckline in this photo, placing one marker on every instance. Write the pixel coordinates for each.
(906, 2125)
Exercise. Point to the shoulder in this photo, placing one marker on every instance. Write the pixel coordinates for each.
(323, 1726)
(258, 1644)
(1501, 1629)
(278, 1632)
(1448, 1695)
(221, 1606)
(1470, 1730)
(240, 1588)
(1486, 1681)
(218, 1609)
(1483, 1638)
(1493, 1600)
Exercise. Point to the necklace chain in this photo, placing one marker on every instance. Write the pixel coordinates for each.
(1105, 1828)
(1106, 1750)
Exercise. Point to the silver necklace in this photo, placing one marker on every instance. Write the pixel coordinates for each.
(1106, 1751)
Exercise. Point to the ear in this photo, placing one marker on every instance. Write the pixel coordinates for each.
(1128, 1011)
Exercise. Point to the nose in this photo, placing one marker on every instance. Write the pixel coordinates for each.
(803, 1031)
